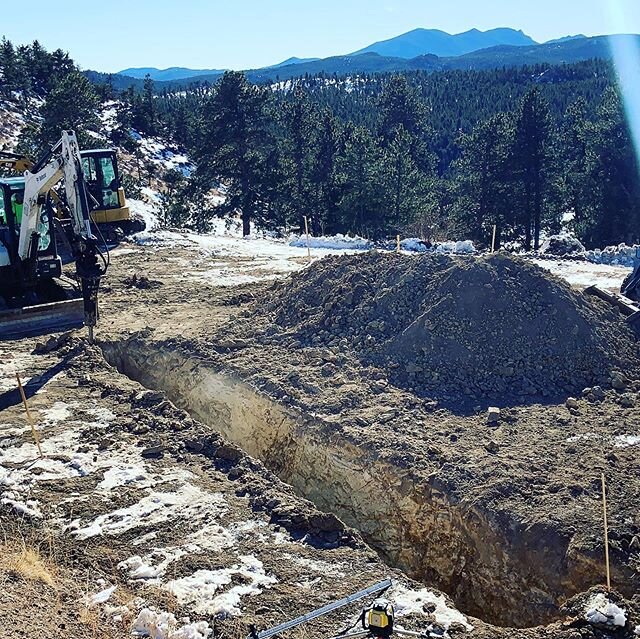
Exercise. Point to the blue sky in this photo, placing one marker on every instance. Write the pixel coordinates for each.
(109, 35)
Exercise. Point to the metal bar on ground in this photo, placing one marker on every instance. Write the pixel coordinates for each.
(353, 635)
(287, 625)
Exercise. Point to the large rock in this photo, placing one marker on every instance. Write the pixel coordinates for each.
(562, 244)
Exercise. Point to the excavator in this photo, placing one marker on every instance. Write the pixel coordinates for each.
(107, 201)
(631, 284)
(32, 298)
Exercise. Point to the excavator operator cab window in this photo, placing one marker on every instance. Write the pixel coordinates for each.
(101, 173)
(15, 205)
(109, 182)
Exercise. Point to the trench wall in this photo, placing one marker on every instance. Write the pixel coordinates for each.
(504, 576)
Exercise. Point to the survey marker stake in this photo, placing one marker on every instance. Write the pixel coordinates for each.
(29, 417)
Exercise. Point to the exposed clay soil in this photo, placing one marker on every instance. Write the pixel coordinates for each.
(506, 518)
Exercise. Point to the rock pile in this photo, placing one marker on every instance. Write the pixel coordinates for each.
(476, 327)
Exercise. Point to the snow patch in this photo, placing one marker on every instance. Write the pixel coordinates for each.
(601, 611)
(621, 255)
(29, 508)
(316, 565)
(464, 247)
(59, 412)
(157, 507)
(624, 441)
(101, 597)
(200, 588)
(337, 242)
(147, 212)
(407, 601)
(584, 274)
(164, 625)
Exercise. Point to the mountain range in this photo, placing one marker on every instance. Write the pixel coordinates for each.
(435, 42)
(420, 49)
(407, 45)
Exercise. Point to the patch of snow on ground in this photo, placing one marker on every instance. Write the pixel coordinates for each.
(152, 566)
(10, 364)
(147, 212)
(155, 563)
(581, 436)
(157, 507)
(408, 601)
(585, 274)
(201, 587)
(601, 611)
(413, 245)
(316, 565)
(621, 255)
(166, 157)
(464, 247)
(164, 625)
(624, 441)
(101, 597)
(29, 508)
(101, 414)
(59, 412)
(338, 242)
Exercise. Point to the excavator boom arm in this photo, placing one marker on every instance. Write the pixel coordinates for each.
(63, 162)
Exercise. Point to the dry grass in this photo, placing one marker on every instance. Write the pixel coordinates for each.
(27, 564)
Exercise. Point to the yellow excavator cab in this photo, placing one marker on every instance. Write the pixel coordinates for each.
(107, 201)
(108, 204)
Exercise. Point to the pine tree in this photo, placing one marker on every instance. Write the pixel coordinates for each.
(9, 71)
(400, 107)
(531, 160)
(234, 147)
(70, 105)
(575, 181)
(148, 114)
(612, 170)
(299, 126)
(405, 185)
(323, 173)
(359, 176)
(484, 180)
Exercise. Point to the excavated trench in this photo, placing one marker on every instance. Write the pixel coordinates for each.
(492, 571)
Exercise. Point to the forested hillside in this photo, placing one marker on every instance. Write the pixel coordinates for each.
(449, 153)
(441, 154)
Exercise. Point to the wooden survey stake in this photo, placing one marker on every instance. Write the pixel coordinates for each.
(34, 432)
(606, 532)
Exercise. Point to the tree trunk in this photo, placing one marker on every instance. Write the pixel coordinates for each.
(246, 224)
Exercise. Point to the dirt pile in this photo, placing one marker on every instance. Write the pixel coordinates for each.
(494, 326)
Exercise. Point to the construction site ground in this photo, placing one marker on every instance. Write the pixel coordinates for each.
(207, 475)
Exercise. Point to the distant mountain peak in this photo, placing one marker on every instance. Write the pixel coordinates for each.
(292, 60)
(568, 38)
(163, 75)
(435, 42)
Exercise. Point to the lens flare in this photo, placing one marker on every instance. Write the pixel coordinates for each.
(625, 50)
